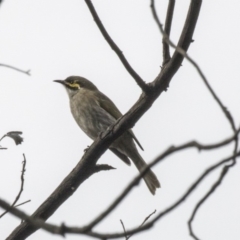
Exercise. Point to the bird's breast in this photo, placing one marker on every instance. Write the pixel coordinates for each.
(90, 117)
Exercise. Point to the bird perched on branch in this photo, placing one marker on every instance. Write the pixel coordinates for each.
(94, 112)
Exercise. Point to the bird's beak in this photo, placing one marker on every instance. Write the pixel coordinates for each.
(60, 81)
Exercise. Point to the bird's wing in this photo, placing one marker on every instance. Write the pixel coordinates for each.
(136, 140)
(108, 105)
(111, 108)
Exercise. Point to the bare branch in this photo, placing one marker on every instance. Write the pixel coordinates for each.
(16, 69)
(167, 27)
(124, 230)
(213, 188)
(145, 220)
(20, 204)
(115, 48)
(21, 188)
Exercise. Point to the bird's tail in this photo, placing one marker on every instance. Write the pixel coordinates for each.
(149, 178)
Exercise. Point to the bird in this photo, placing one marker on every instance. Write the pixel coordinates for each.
(94, 112)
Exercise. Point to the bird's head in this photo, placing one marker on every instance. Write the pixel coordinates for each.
(74, 84)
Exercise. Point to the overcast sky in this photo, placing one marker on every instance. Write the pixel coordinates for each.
(56, 39)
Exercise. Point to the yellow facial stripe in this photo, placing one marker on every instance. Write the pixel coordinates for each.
(73, 85)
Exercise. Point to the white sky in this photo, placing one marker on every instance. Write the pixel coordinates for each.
(59, 38)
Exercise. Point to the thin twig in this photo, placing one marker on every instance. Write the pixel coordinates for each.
(3, 148)
(20, 204)
(167, 27)
(171, 4)
(144, 221)
(115, 48)
(21, 188)
(16, 69)
(124, 230)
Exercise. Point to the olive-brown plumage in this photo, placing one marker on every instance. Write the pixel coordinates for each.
(94, 112)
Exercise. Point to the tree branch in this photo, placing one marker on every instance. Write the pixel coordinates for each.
(213, 188)
(167, 27)
(20, 204)
(144, 221)
(115, 48)
(126, 237)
